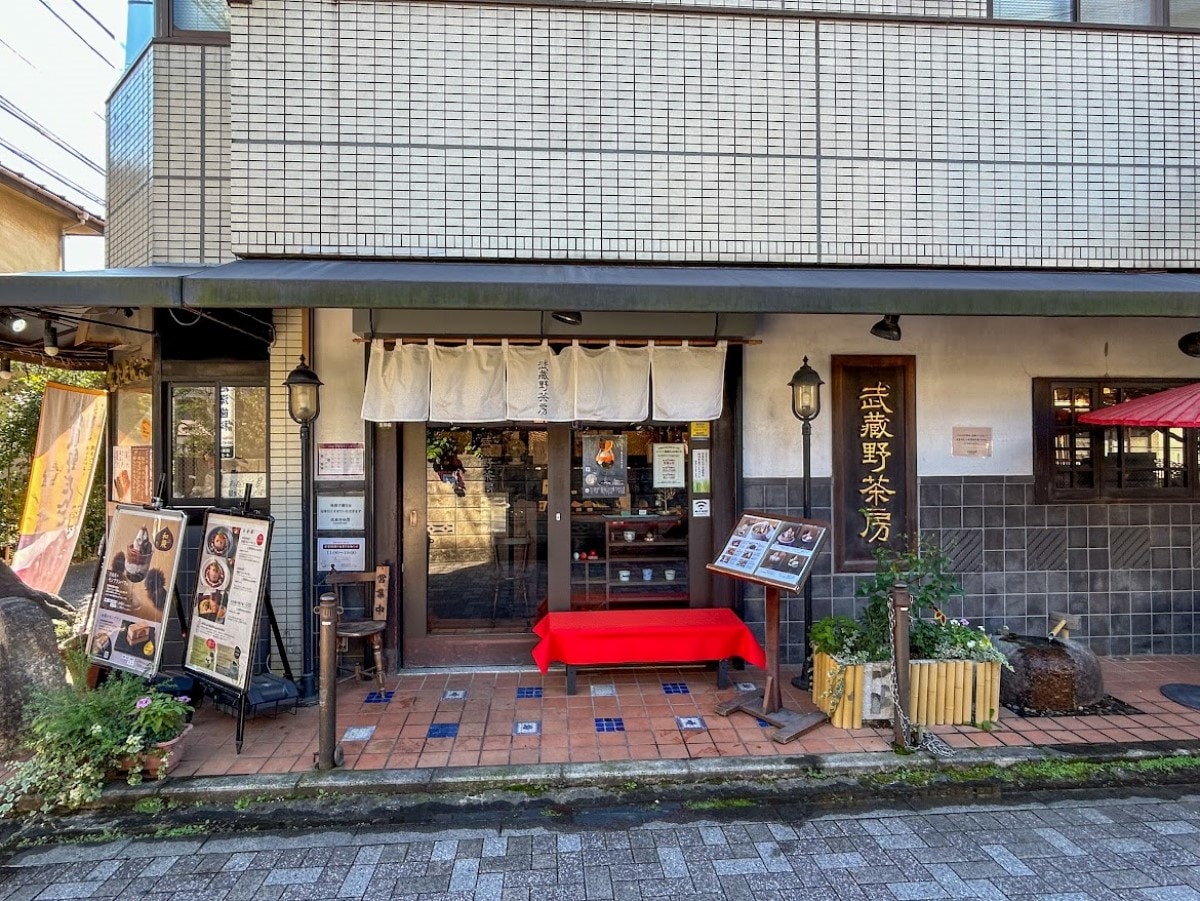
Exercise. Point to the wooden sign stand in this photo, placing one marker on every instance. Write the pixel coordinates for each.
(763, 550)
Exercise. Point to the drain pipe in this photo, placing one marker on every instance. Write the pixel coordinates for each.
(900, 602)
(329, 753)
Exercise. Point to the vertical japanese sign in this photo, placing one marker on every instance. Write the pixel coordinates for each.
(141, 561)
(60, 480)
(874, 480)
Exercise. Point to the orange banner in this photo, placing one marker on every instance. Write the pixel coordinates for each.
(60, 480)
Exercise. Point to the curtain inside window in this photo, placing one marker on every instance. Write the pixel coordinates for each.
(1118, 12)
(1185, 13)
(1035, 10)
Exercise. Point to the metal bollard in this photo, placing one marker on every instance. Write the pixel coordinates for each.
(901, 601)
(327, 750)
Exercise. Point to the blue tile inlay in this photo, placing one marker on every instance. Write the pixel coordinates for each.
(358, 733)
(529, 692)
(442, 730)
(690, 722)
(762, 723)
(610, 724)
(745, 686)
(675, 688)
(375, 697)
(455, 694)
(532, 728)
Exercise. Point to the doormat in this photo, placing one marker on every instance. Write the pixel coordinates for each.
(1106, 706)
(1182, 693)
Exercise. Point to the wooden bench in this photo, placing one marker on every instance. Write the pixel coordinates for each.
(617, 637)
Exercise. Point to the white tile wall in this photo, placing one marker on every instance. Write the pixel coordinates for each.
(434, 130)
(285, 487)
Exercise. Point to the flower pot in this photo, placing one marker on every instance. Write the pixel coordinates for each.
(157, 760)
(941, 692)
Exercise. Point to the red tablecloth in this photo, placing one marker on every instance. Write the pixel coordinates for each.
(587, 638)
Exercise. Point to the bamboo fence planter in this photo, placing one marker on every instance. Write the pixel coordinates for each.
(941, 692)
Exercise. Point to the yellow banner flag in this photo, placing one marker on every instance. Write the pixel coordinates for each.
(60, 480)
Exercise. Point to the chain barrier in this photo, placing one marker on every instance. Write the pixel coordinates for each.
(925, 740)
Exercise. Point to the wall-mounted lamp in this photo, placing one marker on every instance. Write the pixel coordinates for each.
(5, 369)
(50, 341)
(17, 324)
(567, 317)
(887, 328)
(1190, 344)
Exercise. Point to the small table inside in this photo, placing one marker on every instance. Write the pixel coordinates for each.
(616, 637)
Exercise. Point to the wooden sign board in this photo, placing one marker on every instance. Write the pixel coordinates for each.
(771, 549)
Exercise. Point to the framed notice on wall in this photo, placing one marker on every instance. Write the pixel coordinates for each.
(141, 561)
(874, 457)
(230, 584)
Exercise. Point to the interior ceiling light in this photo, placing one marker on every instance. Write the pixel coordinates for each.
(50, 343)
(18, 324)
(887, 328)
(567, 317)
(1190, 344)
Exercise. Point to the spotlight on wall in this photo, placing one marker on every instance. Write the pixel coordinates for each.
(5, 369)
(17, 324)
(1190, 344)
(887, 328)
(567, 317)
(50, 341)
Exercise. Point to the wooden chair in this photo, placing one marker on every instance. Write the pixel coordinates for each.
(373, 588)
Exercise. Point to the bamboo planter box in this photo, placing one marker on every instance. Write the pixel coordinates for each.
(941, 692)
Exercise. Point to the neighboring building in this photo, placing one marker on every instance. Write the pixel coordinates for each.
(1021, 194)
(34, 222)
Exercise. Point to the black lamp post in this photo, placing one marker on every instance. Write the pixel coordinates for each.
(806, 406)
(304, 406)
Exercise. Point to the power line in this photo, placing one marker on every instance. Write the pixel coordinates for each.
(87, 12)
(17, 53)
(12, 109)
(71, 28)
(53, 173)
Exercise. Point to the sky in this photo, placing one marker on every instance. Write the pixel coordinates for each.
(59, 60)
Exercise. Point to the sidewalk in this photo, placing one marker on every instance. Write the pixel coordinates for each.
(517, 716)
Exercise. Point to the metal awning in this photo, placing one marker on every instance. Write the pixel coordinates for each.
(633, 288)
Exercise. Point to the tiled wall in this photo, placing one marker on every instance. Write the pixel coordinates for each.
(285, 486)
(428, 130)
(169, 159)
(1125, 569)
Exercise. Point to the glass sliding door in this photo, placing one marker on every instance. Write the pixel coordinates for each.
(486, 524)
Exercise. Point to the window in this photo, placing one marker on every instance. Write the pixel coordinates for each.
(1077, 462)
(218, 443)
(1178, 13)
(200, 15)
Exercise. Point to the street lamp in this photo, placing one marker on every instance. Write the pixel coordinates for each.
(806, 406)
(304, 406)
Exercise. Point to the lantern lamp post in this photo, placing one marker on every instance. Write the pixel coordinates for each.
(806, 406)
(304, 406)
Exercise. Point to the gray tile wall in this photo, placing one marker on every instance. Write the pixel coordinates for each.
(1125, 569)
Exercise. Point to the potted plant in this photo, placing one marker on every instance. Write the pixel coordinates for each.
(78, 738)
(954, 669)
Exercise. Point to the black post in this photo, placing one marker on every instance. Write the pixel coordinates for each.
(307, 608)
(802, 681)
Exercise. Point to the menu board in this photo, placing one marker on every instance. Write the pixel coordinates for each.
(775, 550)
(230, 583)
(141, 561)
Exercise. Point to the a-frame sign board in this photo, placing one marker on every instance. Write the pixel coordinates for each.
(231, 589)
(776, 552)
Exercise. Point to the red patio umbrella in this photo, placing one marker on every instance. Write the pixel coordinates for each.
(1178, 407)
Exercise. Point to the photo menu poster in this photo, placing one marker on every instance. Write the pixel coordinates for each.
(141, 561)
(230, 583)
(774, 550)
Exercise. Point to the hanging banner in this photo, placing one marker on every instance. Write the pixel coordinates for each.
(60, 481)
(141, 562)
(230, 585)
(605, 471)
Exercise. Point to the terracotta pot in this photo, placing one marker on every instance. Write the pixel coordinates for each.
(152, 760)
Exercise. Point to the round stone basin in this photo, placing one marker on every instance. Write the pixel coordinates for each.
(1049, 676)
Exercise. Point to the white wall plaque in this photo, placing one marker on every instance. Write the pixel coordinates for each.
(971, 441)
(341, 511)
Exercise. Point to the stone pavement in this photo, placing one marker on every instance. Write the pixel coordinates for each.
(1071, 849)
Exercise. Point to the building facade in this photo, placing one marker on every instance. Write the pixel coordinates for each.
(769, 179)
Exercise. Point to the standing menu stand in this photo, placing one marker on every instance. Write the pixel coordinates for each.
(776, 552)
(231, 588)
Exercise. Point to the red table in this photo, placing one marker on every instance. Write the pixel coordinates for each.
(597, 637)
